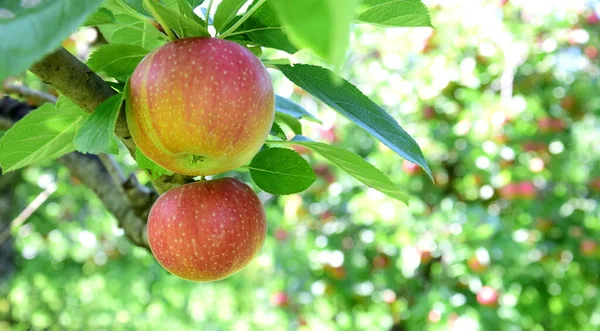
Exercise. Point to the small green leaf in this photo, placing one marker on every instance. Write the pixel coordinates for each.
(290, 121)
(185, 8)
(44, 134)
(354, 165)
(322, 26)
(347, 100)
(153, 169)
(38, 30)
(226, 11)
(98, 133)
(291, 108)
(399, 13)
(264, 29)
(281, 171)
(183, 26)
(276, 131)
(133, 31)
(101, 16)
(117, 60)
(65, 104)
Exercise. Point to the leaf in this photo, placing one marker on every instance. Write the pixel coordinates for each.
(98, 133)
(185, 8)
(291, 108)
(347, 100)
(101, 16)
(132, 31)
(399, 13)
(263, 28)
(226, 11)
(117, 60)
(322, 26)
(281, 171)
(276, 131)
(39, 30)
(65, 104)
(153, 169)
(42, 135)
(290, 121)
(354, 165)
(183, 26)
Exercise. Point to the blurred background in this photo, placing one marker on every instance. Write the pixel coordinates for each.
(503, 99)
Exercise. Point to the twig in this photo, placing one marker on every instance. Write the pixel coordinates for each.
(37, 96)
(28, 211)
(113, 168)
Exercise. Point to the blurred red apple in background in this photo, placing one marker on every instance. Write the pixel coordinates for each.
(487, 296)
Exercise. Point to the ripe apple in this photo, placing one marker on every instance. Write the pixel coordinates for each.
(410, 168)
(475, 265)
(588, 247)
(487, 296)
(593, 19)
(207, 230)
(527, 190)
(279, 299)
(381, 261)
(200, 106)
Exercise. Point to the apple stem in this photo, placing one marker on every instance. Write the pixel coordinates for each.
(160, 20)
(208, 7)
(242, 20)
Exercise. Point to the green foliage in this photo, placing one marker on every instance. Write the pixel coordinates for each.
(322, 26)
(98, 132)
(350, 102)
(354, 165)
(281, 171)
(290, 121)
(58, 18)
(182, 25)
(153, 169)
(264, 28)
(393, 13)
(286, 106)
(117, 60)
(42, 135)
(226, 11)
(130, 30)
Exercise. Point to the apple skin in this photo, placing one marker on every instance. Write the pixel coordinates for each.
(208, 230)
(487, 296)
(200, 106)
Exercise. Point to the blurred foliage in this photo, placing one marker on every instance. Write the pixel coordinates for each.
(503, 99)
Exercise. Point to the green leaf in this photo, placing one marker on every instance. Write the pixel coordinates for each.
(101, 16)
(133, 8)
(183, 26)
(264, 29)
(44, 134)
(153, 169)
(281, 171)
(400, 13)
(347, 100)
(322, 26)
(117, 60)
(65, 104)
(98, 133)
(291, 108)
(226, 11)
(39, 30)
(290, 121)
(354, 165)
(132, 31)
(185, 8)
(276, 131)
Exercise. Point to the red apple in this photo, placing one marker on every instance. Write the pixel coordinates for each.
(281, 235)
(207, 230)
(280, 299)
(487, 296)
(510, 191)
(591, 52)
(549, 124)
(527, 190)
(476, 265)
(200, 106)
(381, 261)
(588, 247)
(429, 113)
(410, 168)
(593, 19)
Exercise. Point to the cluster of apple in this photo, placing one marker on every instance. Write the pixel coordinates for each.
(201, 107)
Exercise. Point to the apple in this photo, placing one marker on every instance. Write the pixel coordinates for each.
(588, 247)
(527, 190)
(593, 19)
(279, 299)
(549, 124)
(475, 265)
(410, 168)
(381, 261)
(200, 106)
(487, 296)
(429, 113)
(281, 235)
(206, 231)
(510, 191)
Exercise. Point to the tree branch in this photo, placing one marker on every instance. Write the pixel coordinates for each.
(36, 96)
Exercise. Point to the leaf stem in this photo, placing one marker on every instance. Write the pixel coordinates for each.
(208, 7)
(242, 20)
(160, 20)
